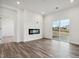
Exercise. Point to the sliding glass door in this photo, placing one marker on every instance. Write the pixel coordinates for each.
(61, 30)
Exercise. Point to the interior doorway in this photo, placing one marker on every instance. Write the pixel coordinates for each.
(61, 29)
(7, 25)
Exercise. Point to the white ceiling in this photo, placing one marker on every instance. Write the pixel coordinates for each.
(40, 6)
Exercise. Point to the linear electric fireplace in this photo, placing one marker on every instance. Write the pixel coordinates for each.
(34, 31)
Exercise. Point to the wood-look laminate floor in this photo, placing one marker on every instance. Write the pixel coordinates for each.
(42, 48)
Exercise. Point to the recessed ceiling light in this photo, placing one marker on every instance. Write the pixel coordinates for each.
(43, 12)
(18, 2)
(71, 1)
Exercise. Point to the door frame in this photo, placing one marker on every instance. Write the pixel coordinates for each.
(59, 28)
(15, 21)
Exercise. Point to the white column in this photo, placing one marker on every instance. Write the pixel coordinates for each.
(20, 25)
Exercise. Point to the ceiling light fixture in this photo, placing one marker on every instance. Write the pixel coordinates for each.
(18, 2)
(43, 12)
(71, 1)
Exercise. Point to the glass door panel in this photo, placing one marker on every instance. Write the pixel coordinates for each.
(64, 30)
(55, 29)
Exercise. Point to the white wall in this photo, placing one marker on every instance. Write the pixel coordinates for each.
(73, 15)
(32, 21)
